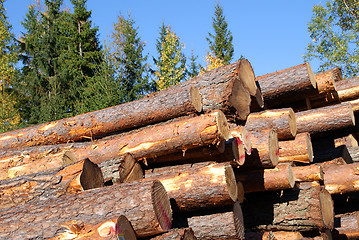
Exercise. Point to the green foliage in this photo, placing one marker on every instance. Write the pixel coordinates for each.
(220, 43)
(334, 30)
(132, 70)
(171, 64)
(194, 68)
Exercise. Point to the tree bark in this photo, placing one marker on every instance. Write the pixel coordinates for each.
(228, 88)
(325, 119)
(298, 150)
(155, 140)
(278, 178)
(288, 85)
(292, 210)
(146, 205)
(50, 184)
(228, 225)
(348, 89)
(281, 120)
(265, 149)
(342, 178)
(199, 186)
(308, 173)
(177, 234)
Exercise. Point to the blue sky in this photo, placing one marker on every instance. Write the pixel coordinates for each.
(272, 35)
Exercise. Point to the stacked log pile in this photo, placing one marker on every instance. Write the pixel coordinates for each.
(199, 160)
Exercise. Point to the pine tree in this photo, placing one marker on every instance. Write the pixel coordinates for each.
(131, 62)
(220, 43)
(171, 64)
(193, 69)
(9, 112)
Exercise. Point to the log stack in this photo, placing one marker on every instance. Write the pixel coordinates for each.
(199, 160)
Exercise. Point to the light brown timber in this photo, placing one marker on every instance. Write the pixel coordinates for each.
(298, 150)
(308, 173)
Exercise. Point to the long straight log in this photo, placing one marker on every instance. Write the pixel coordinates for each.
(146, 205)
(50, 184)
(155, 140)
(228, 225)
(342, 178)
(298, 150)
(308, 173)
(288, 85)
(281, 120)
(222, 88)
(325, 119)
(265, 149)
(199, 186)
(348, 89)
(306, 209)
(278, 178)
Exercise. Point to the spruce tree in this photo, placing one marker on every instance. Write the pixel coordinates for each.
(171, 63)
(220, 42)
(193, 69)
(132, 68)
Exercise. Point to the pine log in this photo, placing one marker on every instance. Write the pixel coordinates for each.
(278, 178)
(304, 209)
(298, 150)
(328, 164)
(355, 105)
(146, 205)
(228, 225)
(265, 149)
(347, 226)
(308, 173)
(349, 141)
(348, 89)
(326, 81)
(288, 85)
(228, 88)
(281, 120)
(155, 140)
(325, 119)
(342, 178)
(243, 134)
(199, 186)
(273, 235)
(50, 184)
(351, 153)
(177, 234)
(257, 103)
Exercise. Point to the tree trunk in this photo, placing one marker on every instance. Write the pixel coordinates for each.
(342, 178)
(308, 173)
(325, 119)
(292, 210)
(348, 89)
(50, 184)
(281, 120)
(155, 140)
(288, 85)
(298, 150)
(278, 178)
(200, 186)
(145, 204)
(228, 225)
(177, 234)
(347, 226)
(228, 88)
(265, 149)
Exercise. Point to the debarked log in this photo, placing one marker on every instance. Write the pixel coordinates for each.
(228, 88)
(50, 184)
(298, 150)
(228, 225)
(202, 185)
(155, 140)
(281, 120)
(325, 119)
(303, 209)
(288, 85)
(146, 205)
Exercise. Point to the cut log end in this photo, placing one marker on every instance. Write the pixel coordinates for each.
(240, 99)
(240, 191)
(222, 125)
(161, 205)
(68, 158)
(311, 75)
(273, 147)
(124, 229)
(292, 122)
(351, 112)
(129, 169)
(238, 220)
(242, 133)
(309, 144)
(231, 182)
(246, 75)
(327, 208)
(196, 99)
(91, 176)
